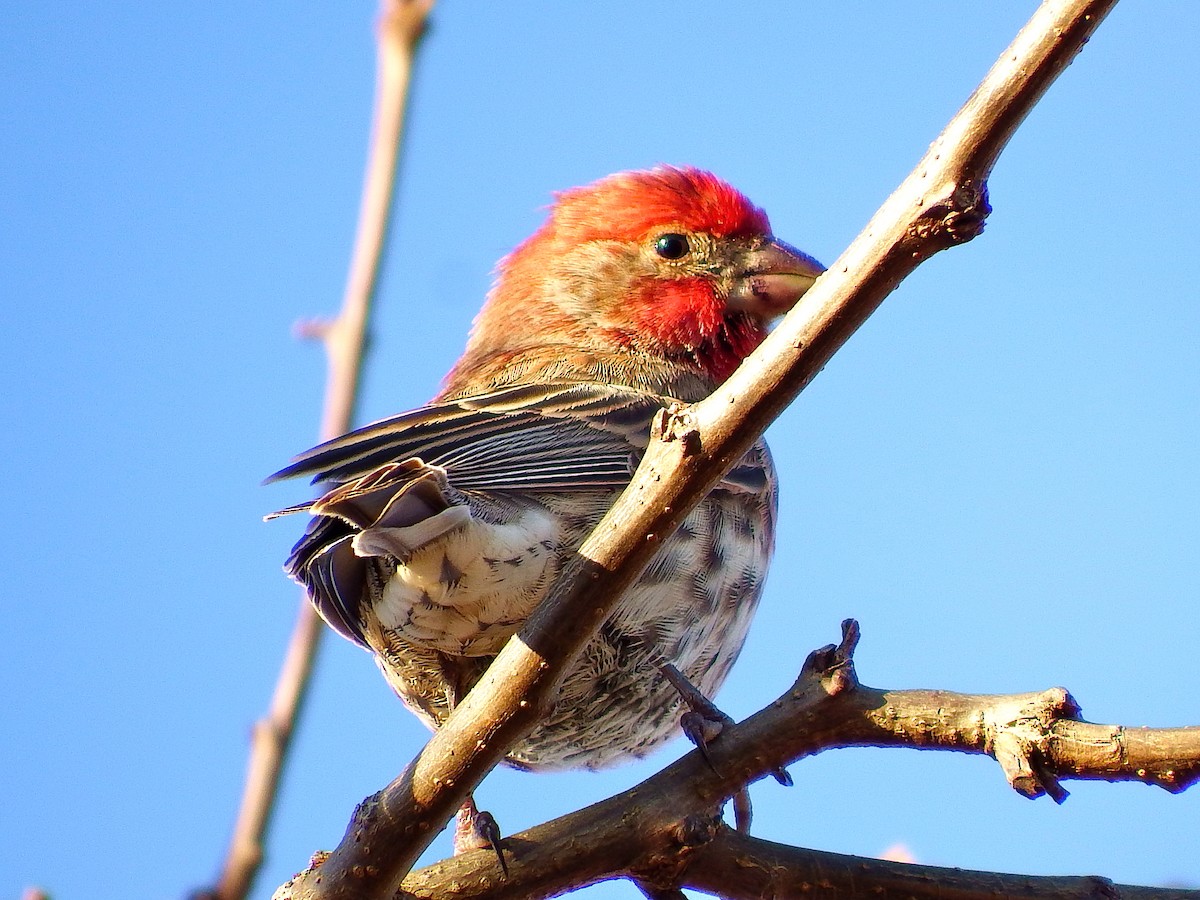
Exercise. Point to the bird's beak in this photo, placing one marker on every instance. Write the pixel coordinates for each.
(772, 277)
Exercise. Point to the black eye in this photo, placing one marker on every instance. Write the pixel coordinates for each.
(672, 246)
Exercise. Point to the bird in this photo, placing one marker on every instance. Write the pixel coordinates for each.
(439, 530)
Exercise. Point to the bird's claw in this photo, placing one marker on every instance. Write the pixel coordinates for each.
(704, 722)
(702, 725)
(701, 731)
(485, 825)
(476, 829)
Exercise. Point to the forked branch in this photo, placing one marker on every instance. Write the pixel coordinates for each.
(666, 833)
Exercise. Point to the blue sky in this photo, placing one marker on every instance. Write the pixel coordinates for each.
(997, 475)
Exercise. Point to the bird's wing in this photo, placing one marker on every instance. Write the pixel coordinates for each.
(531, 438)
(549, 437)
(525, 439)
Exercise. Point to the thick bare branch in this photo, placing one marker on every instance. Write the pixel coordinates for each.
(401, 25)
(662, 831)
(942, 203)
(738, 866)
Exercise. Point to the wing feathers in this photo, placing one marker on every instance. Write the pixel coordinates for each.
(531, 437)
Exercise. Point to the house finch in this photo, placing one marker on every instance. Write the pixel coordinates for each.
(442, 528)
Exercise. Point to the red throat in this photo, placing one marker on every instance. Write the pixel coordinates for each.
(683, 319)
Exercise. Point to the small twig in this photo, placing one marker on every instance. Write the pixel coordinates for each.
(401, 24)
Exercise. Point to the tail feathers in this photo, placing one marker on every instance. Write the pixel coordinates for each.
(404, 499)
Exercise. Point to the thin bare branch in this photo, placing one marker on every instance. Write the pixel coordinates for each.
(400, 27)
(942, 203)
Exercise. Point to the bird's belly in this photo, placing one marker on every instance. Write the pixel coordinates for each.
(461, 597)
(468, 592)
(691, 607)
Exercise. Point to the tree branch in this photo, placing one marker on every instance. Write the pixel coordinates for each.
(401, 25)
(941, 204)
(738, 866)
(665, 832)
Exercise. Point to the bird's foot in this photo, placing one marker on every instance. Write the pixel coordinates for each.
(476, 829)
(704, 721)
(702, 724)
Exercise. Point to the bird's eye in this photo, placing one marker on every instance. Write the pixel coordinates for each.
(672, 246)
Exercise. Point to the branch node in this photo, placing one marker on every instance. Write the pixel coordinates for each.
(677, 423)
(851, 634)
(404, 22)
(837, 670)
(1023, 764)
(696, 830)
(663, 868)
(958, 219)
(1060, 703)
(317, 329)
(818, 661)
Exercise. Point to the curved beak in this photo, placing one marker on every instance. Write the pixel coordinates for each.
(771, 278)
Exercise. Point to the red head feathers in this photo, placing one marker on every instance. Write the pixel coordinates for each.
(662, 279)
